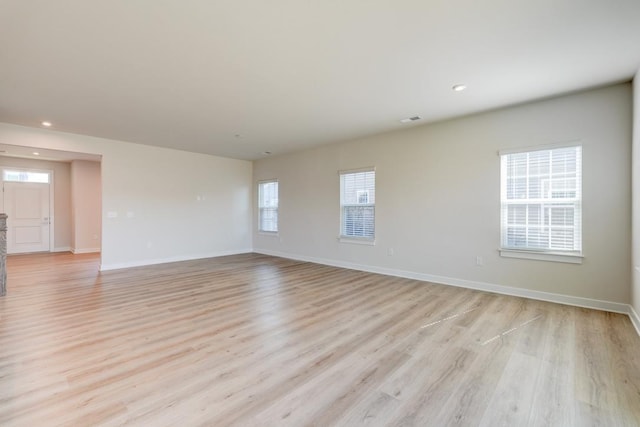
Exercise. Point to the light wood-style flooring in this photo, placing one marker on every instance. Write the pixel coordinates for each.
(253, 340)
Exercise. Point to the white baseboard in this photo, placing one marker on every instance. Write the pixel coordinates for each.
(85, 251)
(142, 263)
(62, 249)
(470, 284)
(633, 315)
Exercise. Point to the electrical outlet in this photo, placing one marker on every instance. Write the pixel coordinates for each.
(479, 260)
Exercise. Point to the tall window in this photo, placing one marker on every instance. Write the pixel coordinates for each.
(541, 195)
(358, 204)
(268, 206)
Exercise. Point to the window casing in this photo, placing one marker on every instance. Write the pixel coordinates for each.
(268, 206)
(541, 201)
(358, 204)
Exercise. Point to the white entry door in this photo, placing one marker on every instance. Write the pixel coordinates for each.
(28, 222)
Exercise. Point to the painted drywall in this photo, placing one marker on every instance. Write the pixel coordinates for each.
(438, 201)
(61, 194)
(158, 204)
(86, 201)
(635, 301)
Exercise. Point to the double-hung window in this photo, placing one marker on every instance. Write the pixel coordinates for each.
(358, 204)
(268, 206)
(541, 204)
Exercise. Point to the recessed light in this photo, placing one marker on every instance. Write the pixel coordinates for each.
(411, 119)
(459, 88)
(35, 153)
(46, 124)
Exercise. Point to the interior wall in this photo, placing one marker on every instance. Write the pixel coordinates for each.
(86, 200)
(636, 195)
(438, 197)
(158, 204)
(62, 195)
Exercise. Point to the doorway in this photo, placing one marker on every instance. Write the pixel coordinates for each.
(27, 200)
(74, 217)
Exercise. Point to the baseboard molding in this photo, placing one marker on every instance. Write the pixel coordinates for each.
(470, 284)
(62, 249)
(635, 319)
(85, 251)
(142, 263)
(614, 307)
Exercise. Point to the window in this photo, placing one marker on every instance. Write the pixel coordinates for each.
(358, 204)
(25, 176)
(268, 206)
(541, 198)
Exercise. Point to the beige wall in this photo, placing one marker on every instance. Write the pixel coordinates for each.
(437, 197)
(636, 194)
(181, 205)
(61, 193)
(86, 200)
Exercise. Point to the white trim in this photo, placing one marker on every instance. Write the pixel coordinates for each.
(541, 256)
(52, 210)
(551, 146)
(635, 319)
(85, 251)
(357, 241)
(268, 233)
(142, 263)
(62, 249)
(614, 307)
(357, 170)
(266, 181)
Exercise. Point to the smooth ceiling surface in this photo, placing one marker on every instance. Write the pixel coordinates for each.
(240, 77)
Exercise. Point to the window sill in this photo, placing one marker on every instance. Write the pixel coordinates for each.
(268, 233)
(357, 241)
(542, 256)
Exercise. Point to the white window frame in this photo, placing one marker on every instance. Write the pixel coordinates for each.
(364, 240)
(574, 256)
(261, 207)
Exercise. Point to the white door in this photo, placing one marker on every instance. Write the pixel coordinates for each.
(28, 222)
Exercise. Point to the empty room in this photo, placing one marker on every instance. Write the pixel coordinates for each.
(290, 213)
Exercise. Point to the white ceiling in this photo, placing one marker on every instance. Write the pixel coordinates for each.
(236, 78)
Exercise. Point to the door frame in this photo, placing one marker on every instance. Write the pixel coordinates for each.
(52, 216)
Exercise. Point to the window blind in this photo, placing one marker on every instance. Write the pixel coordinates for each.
(541, 200)
(268, 206)
(357, 204)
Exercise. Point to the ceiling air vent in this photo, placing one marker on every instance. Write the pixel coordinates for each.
(411, 119)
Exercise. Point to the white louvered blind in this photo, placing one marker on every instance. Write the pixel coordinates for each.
(358, 204)
(268, 206)
(541, 199)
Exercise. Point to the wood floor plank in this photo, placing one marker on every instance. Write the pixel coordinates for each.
(557, 374)
(258, 340)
